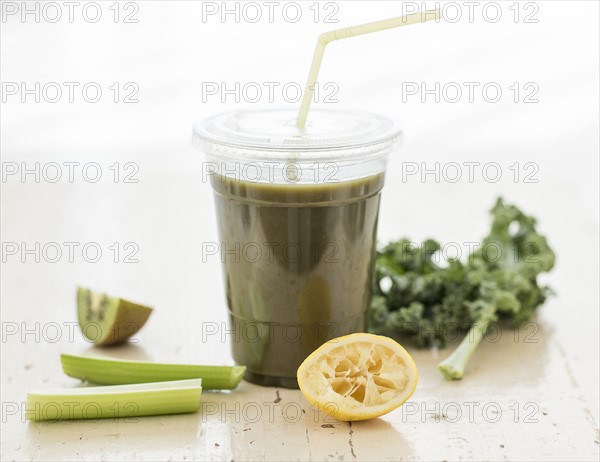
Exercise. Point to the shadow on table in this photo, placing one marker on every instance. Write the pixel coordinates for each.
(130, 351)
(525, 352)
(368, 436)
(279, 424)
(156, 437)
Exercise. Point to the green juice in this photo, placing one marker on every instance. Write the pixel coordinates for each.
(298, 266)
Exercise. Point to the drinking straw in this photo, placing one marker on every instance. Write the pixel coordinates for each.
(353, 31)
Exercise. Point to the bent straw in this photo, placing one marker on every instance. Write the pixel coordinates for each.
(352, 31)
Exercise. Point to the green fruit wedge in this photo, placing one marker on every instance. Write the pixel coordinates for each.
(106, 320)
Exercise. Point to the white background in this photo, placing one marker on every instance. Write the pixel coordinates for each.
(169, 54)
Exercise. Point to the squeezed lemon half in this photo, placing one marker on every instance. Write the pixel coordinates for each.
(358, 376)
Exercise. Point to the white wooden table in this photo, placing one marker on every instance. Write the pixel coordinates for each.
(533, 397)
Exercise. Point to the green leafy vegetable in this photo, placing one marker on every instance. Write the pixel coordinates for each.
(423, 301)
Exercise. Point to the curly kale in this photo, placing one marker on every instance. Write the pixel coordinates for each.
(421, 300)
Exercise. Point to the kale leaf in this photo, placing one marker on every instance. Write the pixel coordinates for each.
(427, 301)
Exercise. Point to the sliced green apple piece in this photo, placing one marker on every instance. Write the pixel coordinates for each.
(107, 320)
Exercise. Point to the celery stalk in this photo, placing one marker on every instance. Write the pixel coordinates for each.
(453, 367)
(118, 401)
(116, 372)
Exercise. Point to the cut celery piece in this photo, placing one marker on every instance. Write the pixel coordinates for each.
(116, 372)
(114, 402)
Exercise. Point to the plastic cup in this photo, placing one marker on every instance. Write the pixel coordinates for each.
(297, 216)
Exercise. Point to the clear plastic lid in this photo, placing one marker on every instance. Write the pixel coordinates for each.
(356, 142)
